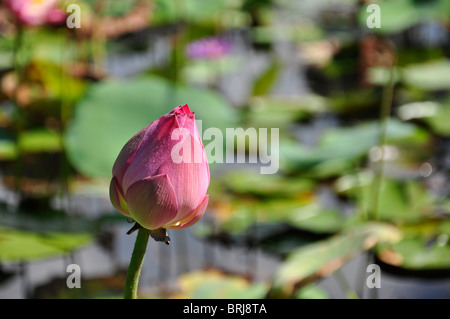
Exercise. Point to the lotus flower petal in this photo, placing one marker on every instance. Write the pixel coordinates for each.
(153, 150)
(190, 179)
(128, 152)
(193, 217)
(152, 201)
(117, 197)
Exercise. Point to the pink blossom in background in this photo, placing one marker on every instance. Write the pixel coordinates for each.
(150, 187)
(56, 16)
(37, 12)
(208, 48)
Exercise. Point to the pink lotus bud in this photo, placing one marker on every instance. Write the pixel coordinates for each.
(154, 183)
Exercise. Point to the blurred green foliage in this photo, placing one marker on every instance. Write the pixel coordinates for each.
(342, 188)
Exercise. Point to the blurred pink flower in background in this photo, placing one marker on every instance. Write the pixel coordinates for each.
(37, 12)
(208, 48)
(152, 188)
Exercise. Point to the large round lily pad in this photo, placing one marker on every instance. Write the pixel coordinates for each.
(21, 245)
(113, 111)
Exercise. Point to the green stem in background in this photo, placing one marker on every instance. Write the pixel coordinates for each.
(18, 69)
(64, 88)
(386, 107)
(98, 40)
(136, 262)
(180, 39)
(385, 113)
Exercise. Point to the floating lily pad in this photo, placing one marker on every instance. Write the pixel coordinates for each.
(212, 284)
(317, 219)
(398, 15)
(440, 119)
(302, 213)
(8, 149)
(19, 245)
(324, 257)
(417, 254)
(312, 292)
(247, 182)
(432, 75)
(118, 8)
(340, 149)
(436, 115)
(40, 141)
(282, 242)
(425, 246)
(54, 221)
(398, 201)
(266, 80)
(296, 33)
(242, 214)
(360, 101)
(196, 11)
(279, 112)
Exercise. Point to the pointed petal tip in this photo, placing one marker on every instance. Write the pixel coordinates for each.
(186, 109)
(181, 109)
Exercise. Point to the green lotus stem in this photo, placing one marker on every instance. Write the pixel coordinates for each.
(137, 259)
(385, 114)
